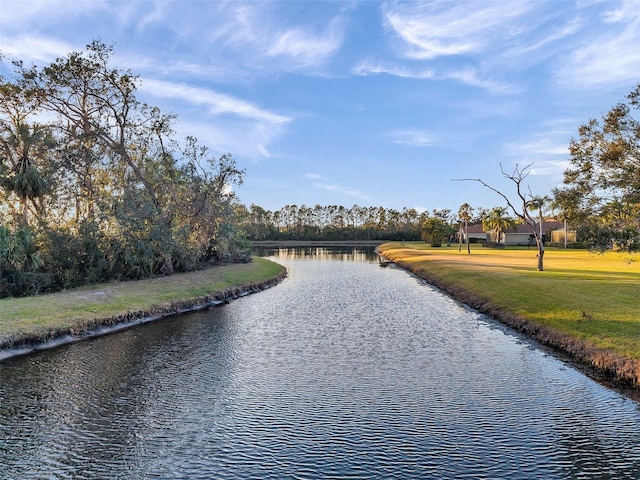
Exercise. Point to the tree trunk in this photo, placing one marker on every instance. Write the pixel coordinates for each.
(540, 255)
(466, 235)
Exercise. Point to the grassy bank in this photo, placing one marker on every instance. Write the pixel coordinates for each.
(585, 304)
(41, 318)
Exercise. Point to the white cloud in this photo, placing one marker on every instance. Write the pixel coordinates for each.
(623, 11)
(472, 77)
(550, 168)
(540, 147)
(229, 124)
(442, 28)
(304, 47)
(314, 176)
(254, 33)
(216, 102)
(14, 13)
(372, 67)
(571, 27)
(412, 138)
(547, 158)
(322, 183)
(610, 54)
(247, 140)
(35, 48)
(468, 76)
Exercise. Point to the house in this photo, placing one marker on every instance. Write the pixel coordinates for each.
(522, 235)
(476, 233)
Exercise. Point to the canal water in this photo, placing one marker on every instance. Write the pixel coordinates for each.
(344, 370)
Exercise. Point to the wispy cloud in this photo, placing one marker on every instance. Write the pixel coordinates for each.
(320, 182)
(258, 37)
(434, 29)
(571, 27)
(247, 140)
(36, 49)
(229, 124)
(372, 67)
(473, 77)
(15, 13)
(412, 138)
(217, 103)
(610, 56)
(469, 76)
(304, 47)
(547, 158)
(314, 176)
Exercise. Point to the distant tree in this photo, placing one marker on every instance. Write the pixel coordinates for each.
(605, 169)
(498, 221)
(465, 213)
(566, 202)
(537, 204)
(435, 231)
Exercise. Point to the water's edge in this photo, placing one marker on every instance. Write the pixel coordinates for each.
(54, 338)
(607, 368)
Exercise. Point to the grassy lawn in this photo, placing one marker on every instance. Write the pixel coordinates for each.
(40, 314)
(589, 296)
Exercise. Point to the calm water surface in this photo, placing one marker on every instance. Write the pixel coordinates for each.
(344, 370)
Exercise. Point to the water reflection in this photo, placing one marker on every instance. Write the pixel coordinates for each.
(350, 254)
(345, 370)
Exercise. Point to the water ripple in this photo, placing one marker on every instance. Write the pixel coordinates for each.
(344, 371)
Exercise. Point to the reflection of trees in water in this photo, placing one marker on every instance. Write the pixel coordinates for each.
(352, 254)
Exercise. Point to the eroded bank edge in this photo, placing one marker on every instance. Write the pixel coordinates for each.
(24, 344)
(605, 366)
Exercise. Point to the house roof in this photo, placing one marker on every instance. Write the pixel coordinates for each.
(521, 227)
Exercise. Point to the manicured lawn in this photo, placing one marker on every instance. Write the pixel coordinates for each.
(593, 297)
(34, 315)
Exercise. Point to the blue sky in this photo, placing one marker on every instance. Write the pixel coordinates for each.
(369, 103)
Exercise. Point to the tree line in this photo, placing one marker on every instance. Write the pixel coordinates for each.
(332, 222)
(94, 185)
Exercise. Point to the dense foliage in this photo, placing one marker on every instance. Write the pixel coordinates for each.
(602, 193)
(94, 186)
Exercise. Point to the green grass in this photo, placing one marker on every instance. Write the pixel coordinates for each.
(35, 315)
(589, 296)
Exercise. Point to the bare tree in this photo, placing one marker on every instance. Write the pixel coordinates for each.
(526, 201)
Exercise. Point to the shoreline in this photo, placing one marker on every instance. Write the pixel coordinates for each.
(36, 340)
(316, 243)
(605, 366)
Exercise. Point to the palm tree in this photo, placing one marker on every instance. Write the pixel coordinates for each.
(498, 221)
(464, 213)
(23, 145)
(537, 204)
(18, 251)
